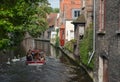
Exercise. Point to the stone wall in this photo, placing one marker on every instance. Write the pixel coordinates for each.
(108, 43)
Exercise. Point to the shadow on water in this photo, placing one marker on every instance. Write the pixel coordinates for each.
(57, 68)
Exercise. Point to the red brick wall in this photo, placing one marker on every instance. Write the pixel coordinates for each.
(66, 7)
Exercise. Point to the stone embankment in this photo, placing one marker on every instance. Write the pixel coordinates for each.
(72, 58)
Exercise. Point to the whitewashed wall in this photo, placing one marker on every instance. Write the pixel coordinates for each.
(53, 37)
(69, 31)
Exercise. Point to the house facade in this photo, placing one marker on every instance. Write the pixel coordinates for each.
(107, 38)
(69, 10)
(53, 23)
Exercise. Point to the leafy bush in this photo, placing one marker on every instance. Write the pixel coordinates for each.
(69, 45)
(57, 38)
(4, 43)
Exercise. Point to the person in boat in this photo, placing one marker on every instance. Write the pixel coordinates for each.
(42, 58)
(33, 53)
(37, 56)
(29, 56)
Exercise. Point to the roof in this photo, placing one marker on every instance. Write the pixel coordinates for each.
(80, 19)
(51, 19)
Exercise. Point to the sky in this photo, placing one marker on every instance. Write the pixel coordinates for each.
(54, 3)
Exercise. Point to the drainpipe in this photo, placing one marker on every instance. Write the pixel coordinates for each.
(93, 33)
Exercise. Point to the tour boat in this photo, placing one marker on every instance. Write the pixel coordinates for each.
(37, 59)
(35, 63)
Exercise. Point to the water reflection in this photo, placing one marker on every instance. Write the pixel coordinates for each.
(53, 71)
(56, 69)
(75, 74)
(43, 45)
(55, 52)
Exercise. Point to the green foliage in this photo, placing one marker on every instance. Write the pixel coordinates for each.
(37, 22)
(57, 39)
(55, 10)
(37, 25)
(12, 18)
(69, 45)
(86, 46)
(19, 16)
(4, 43)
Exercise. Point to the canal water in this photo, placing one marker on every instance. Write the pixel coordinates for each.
(56, 69)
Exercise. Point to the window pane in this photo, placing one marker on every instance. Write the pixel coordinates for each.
(75, 14)
(78, 13)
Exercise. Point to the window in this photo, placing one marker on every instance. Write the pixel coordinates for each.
(81, 32)
(118, 30)
(119, 18)
(102, 15)
(71, 34)
(75, 13)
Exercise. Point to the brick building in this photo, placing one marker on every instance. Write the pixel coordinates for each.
(88, 11)
(52, 23)
(69, 10)
(107, 30)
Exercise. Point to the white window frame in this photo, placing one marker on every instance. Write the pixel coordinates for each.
(78, 12)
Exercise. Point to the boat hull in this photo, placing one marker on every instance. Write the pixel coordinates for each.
(34, 63)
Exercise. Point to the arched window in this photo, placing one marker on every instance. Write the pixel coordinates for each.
(119, 18)
(118, 30)
(101, 17)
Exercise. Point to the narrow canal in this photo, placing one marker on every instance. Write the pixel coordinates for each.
(56, 69)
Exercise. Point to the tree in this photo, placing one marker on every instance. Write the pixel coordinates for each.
(19, 16)
(55, 10)
(38, 19)
(11, 20)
